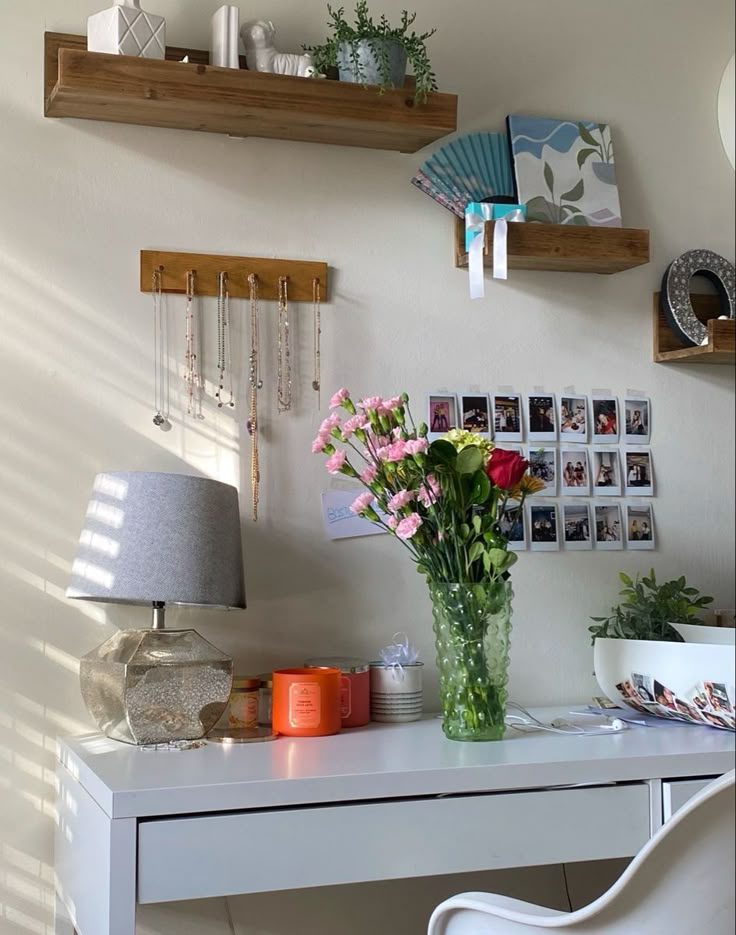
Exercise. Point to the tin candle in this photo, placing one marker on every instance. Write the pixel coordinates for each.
(355, 687)
(242, 709)
(306, 702)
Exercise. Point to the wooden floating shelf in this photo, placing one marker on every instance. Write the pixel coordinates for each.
(721, 346)
(197, 96)
(174, 267)
(563, 247)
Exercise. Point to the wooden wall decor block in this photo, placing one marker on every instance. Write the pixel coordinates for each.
(206, 266)
(721, 346)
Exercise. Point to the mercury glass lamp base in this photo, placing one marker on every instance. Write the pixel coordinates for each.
(156, 686)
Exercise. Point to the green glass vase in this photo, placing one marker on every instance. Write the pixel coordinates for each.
(472, 624)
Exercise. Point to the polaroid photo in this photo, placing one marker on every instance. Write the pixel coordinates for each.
(576, 527)
(606, 425)
(608, 529)
(543, 528)
(637, 414)
(606, 473)
(541, 420)
(716, 696)
(511, 523)
(543, 467)
(507, 424)
(639, 527)
(574, 472)
(644, 687)
(476, 415)
(442, 415)
(638, 474)
(629, 695)
(573, 419)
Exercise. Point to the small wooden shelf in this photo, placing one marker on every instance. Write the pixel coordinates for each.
(197, 96)
(721, 346)
(563, 248)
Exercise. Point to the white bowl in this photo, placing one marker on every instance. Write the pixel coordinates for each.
(698, 633)
(679, 666)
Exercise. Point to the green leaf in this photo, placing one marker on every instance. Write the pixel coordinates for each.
(477, 523)
(586, 136)
(549, 177)
(475, 551)
(626, 579)
(442, 452)
(580, 221)
(469, 460)
(575, 193)
(584, 155)
(497, 557)
(511, 559)
(481, 492)
(487, 563)
(463, 531)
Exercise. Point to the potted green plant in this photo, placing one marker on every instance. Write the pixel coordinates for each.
(373, 52)
(649, 609)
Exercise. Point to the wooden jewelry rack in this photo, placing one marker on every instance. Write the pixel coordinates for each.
(173, 269)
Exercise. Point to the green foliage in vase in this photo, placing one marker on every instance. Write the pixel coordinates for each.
(649, 608)
(377, 34)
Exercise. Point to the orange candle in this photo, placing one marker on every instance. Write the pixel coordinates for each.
(306, 702)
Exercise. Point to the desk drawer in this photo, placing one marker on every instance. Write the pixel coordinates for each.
(248, 852)
(678, 791)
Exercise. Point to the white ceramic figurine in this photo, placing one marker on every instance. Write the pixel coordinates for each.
(261, 55)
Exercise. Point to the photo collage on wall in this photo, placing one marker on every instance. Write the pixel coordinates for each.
(590, 451)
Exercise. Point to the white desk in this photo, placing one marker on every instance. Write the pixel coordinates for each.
(383, 802)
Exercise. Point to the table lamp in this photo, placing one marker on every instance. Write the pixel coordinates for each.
(158, 539)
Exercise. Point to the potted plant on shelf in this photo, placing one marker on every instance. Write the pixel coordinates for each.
(371, 52)
(449, 503)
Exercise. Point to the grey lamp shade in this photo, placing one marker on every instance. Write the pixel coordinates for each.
(160, 537)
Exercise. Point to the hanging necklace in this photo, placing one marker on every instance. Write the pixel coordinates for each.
(161, 395)
(224, 346)
(283, 387)
(256, 383)
(317, 318)
(191, 376)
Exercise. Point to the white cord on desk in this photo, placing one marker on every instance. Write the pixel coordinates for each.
(527, 722)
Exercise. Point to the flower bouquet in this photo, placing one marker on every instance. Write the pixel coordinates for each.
(451, 504)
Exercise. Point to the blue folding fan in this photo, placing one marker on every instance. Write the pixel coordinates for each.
(474, 167)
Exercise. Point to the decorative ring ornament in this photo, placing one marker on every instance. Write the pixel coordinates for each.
(675, 296)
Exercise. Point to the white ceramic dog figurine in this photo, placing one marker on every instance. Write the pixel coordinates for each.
(261, 55)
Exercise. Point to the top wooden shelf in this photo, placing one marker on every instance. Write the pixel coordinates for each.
(563, 247)
(197, 96)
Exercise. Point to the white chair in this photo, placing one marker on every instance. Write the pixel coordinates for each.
(680, 883)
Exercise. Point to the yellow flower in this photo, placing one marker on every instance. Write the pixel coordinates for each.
(462, 439)
(526, 486)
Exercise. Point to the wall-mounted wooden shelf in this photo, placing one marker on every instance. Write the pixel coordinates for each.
(721, 346)
(563, 248)
(196, 96)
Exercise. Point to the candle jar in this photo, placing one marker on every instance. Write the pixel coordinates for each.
(355, 687)
(306, 702)
(242, 708)
(265, 695)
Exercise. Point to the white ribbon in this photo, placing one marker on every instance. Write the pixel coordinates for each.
(475, 227)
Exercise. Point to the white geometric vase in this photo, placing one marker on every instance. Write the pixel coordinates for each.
(125, 29)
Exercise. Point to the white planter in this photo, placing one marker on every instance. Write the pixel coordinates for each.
(698, 633)
(679, 666)
(396, 692)
(125, 29)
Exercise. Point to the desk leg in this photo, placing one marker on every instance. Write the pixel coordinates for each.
(656, 810)
(95, 864)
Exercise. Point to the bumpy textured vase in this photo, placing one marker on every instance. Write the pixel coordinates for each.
(472, 624)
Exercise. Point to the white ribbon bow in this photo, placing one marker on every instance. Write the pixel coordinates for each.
(474, 226)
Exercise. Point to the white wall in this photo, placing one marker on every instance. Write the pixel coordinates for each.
(79, 199)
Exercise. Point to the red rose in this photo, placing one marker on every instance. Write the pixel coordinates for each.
(506, 468)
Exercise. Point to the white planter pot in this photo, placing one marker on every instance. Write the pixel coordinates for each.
(125, 29)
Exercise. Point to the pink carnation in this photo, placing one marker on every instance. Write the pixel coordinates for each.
(358, 421)
(335, 462)
(408, 526)
(361, 502)
(396, 451)
(371, 402)
(328, 424)
(429, 491)
(399, 500)
(392, 522)
(388, 404)
(369, 475)
(339, 398)
(416, 446)
(382, 453)
(318, 445)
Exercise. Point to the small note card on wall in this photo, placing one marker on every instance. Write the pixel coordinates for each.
(340, 522)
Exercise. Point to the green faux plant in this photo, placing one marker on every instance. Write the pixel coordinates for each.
(377, 33)
(649, 608)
